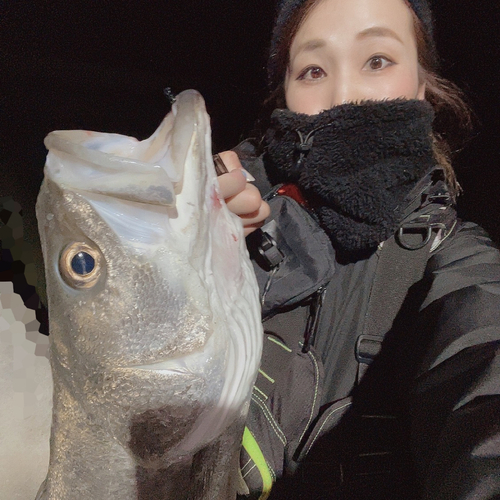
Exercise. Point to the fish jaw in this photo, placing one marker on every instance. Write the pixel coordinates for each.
(176, 283)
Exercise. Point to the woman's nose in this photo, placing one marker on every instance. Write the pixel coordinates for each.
(345, 88)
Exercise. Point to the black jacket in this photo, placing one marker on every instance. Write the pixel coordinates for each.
(424, 421)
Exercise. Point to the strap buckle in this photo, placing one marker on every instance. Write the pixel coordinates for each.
(269, 250)
(367, 348)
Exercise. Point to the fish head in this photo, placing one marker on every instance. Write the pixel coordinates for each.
(148, 278)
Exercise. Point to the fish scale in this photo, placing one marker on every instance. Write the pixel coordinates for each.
(155, 350)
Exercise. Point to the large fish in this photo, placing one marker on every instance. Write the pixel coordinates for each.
(154, 315)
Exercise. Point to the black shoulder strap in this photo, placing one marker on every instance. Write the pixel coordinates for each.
(397, 270)
(402, 263)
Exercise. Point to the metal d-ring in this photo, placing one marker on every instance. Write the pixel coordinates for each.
(418, 246)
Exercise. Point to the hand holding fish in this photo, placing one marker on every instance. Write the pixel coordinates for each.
(242, 197)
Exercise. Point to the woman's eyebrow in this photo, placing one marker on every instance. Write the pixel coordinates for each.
(379, 31)
(311, 45)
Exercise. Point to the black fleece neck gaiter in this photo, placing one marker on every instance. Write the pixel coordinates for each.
(355, 164)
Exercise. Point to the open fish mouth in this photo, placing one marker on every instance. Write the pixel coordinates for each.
(137, 187)
(148, 171)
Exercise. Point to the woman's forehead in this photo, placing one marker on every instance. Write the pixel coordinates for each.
(341, 20)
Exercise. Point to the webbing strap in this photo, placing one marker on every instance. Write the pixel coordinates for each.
(255, 453)
(397, 270)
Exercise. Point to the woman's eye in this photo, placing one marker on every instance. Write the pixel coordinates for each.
(377, 63)
(312, 73)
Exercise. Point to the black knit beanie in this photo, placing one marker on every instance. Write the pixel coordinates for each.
(287, 7)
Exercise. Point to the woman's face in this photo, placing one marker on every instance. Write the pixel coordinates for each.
(350, 50)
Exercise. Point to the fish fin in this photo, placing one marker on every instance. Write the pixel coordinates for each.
(42, 491)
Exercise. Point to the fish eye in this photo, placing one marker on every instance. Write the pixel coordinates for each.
(80, 265)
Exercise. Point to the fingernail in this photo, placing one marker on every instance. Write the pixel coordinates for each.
(248, 176)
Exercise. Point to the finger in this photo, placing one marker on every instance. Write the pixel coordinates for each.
(247, 201)
(258, 216)
(232, 183)
(231, 160)
(251, 222)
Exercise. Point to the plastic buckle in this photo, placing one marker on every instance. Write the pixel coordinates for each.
(304, 147)
(269, 250)
(367, 348)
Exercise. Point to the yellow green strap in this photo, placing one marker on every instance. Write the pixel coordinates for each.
(255, 453)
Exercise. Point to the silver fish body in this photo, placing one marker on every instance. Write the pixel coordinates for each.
(154, 315)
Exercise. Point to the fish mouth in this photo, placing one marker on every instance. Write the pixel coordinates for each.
(165, 366)
(193, 363)
(137, 187)
(149, 171)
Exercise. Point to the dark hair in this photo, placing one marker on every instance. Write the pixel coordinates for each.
(453, 117)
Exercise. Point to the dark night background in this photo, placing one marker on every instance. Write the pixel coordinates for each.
(102, 65)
